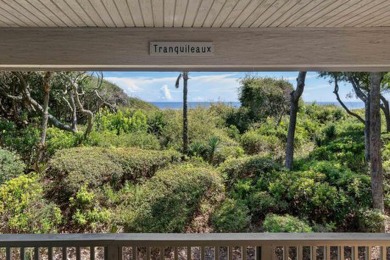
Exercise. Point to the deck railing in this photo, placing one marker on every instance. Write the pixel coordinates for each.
(248, 246)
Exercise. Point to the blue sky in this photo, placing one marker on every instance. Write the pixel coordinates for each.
(213, 86)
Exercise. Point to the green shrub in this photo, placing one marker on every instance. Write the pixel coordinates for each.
(71, 169)
(87, 213)
(231, 216)
(285, 223)
(10, 165)
(122, 121)
(255, 143)
(170, 200)
(251, 167)
(23, 208)
(108, 139)
(227, 152)
(22, 140)
(58, 139)
(371, 220)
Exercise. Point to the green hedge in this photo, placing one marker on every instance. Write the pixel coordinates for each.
(70, 169)
(170, 200)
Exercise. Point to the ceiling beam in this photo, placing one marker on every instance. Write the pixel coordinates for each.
(331, 49)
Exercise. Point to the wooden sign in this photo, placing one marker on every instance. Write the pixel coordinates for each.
(173, 49)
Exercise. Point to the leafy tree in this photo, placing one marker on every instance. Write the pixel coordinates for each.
(265, 97)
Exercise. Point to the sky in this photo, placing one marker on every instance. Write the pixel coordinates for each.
(214, 86)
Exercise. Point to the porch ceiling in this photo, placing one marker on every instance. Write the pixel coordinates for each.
(194, 13)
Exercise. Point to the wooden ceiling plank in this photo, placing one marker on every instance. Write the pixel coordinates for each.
(147, 12)
(100, 7)
(252, 8)
(333, 5)
(11, 18)
(112, 10)
(33, 11)
(275, 12)
(225, 12)
(65, 8)
(307, 7)
(203, 11)
(383, 16)
(192, 9)
(180, 13)
(315, 7)
(353, 21)
(342, 13)
(47, 13)
(383, 22)
(5, 22)
(213, 12)
(135, 11)
(299, 5)
(85, 9)
(158, 13)
(15, 9)
(257, 13)
(58, 12)
(169, 12)
(81, 11)
(124, 12)
(234, 13)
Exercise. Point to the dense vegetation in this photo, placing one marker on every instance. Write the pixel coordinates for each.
(128, 173)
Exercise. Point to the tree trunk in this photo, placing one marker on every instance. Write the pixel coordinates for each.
(86, 112)
(45, 116)
(295, 95)
(375, 143)
(73, 109)
(367, 121)
(386, 111)
(185, 114)
(45, 112)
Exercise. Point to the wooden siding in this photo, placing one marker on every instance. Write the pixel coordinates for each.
(353, 49)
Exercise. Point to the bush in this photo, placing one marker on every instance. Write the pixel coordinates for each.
(108, 139)
(285, 223)
(255, 143)
(171, 199)
(87, 213)
(371, 220)
(71, 169)
(125, 121)
(23, 208)
(251, 167)
(10, 165)
(231, 216)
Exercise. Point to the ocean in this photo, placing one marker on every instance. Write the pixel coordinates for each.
(179, 105)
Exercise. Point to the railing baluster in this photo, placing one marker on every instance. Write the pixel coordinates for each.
(300, 253)
(244, 252)
(342, 254)
(217, 253)
(22, 253)
(327, 248)
(36, 253)
(50, 253)
(230, 253)
(8, 253)
(188, 252)
(64, 255)
(78, 255)
(135, 253)
(92, 253)
(285, 252)
(313, 253)
(202, 253)
(175, 253)
(368, 253)
(148, 250)
(383, 252)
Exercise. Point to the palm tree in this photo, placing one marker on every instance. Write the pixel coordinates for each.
(184, 74)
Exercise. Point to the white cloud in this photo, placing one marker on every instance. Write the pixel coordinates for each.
(129, 85)
(165, 93)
